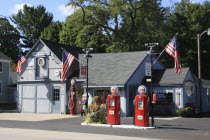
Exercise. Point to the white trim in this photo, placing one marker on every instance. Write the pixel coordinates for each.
(4, 60)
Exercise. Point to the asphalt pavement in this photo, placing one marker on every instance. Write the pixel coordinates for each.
(70, 127)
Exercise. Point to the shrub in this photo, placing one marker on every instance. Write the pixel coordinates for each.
(96, 112)
(185, 112)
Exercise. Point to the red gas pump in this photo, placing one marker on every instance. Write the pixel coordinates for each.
(141, 108)
(72, 100)
(113, 107)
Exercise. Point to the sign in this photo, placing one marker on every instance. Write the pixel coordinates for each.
(189, 88)
(111, 112)
(140, 117)
(83, 70)
(142, 89)
(147, 69)
(41, 53)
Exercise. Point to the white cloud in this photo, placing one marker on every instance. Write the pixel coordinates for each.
(192, 1)
(17, 7)
(67, 10)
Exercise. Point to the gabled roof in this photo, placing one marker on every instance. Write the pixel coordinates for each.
(112, 68)
(170, 77)
(2, 56)
(56, 48)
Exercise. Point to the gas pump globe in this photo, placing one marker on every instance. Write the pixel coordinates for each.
(114, 89)
(73, 82)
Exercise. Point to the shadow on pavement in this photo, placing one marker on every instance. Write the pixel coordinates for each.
(162, 127)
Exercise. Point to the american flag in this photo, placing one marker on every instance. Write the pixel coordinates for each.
(172, 50)
(67, 60)
(21, 60)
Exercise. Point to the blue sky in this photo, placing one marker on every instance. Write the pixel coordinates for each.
(57, 7)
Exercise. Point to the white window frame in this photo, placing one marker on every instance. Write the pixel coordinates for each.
(1, 67)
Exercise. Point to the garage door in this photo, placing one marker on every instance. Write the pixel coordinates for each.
(42, 100)
(36, 99)
(28, 98)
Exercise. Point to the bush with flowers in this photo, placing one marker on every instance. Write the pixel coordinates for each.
(96, 112)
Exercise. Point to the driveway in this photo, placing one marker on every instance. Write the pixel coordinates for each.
(168, 127)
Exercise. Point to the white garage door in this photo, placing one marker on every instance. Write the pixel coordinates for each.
(43, 102)
(36, 98)
(28, 98)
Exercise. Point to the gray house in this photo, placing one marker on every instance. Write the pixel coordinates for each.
(39, 87)
(4, 77)
(127, 71)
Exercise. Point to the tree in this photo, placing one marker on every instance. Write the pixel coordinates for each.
(120, 20)
(76, 34)
(9, 39)
(52, 32)
(190, 19)
(31, 21)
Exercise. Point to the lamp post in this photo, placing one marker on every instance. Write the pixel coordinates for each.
(151, 46)
(87, 55)
(199, 65)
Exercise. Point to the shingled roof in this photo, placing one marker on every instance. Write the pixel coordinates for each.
(112, 68)
(56, 48)
(2, 56)
(170, 77)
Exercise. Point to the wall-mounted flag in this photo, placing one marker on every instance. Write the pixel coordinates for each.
(67, 60)
(21, 60)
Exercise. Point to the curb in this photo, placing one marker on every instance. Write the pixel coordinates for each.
(128, 126)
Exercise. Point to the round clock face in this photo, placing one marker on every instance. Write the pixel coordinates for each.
(189, 88)
(57, 73)
(41, 62)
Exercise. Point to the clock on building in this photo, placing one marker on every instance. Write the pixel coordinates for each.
(41, 62)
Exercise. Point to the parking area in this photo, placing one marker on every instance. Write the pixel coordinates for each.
(167, 127)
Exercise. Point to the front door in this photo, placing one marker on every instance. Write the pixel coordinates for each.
(56, 100)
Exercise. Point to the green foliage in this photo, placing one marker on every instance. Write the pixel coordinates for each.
(185, 112)
(127, 25)
(9, 39)
(96, 112)
(79, 91)
(190, 19)
(31, 21)
(75, 33)
(51, 33)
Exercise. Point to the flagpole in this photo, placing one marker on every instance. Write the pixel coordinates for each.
(158, 56)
